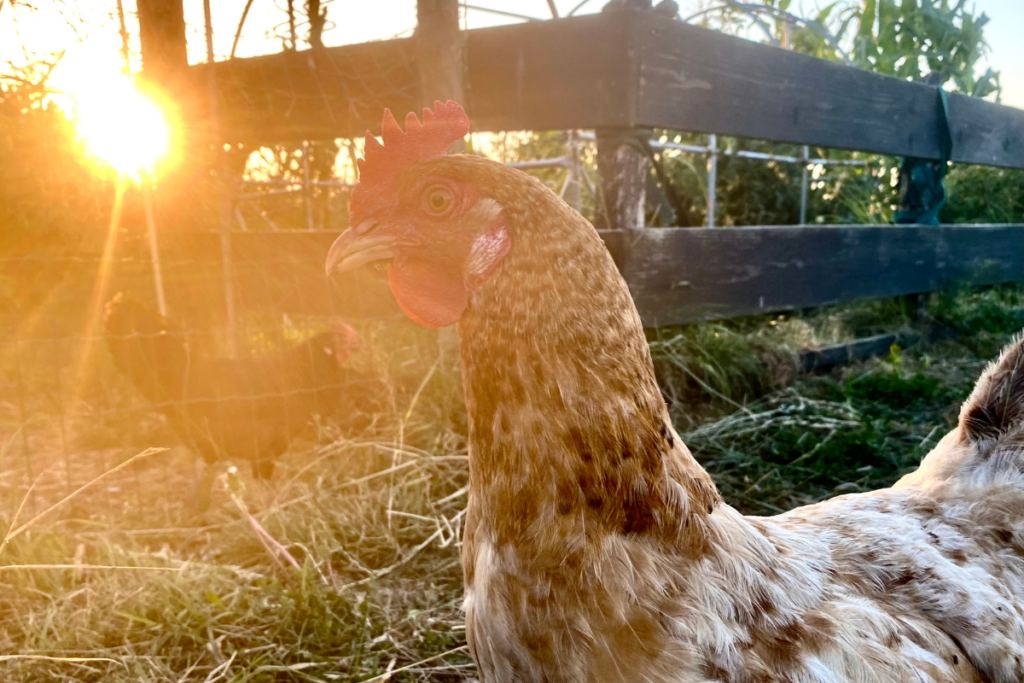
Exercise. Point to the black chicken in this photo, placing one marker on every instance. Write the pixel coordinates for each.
(232, 408)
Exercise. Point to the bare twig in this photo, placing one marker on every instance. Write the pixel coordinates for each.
(49, 658)
(88, 566)
(273, 547)
(238, 31)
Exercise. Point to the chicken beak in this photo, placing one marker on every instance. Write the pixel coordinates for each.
(352, 250)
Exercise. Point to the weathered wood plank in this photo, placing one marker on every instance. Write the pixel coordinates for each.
(696, 79)
(612, 70)
(440, 49)
(552, 75)
(828, 357)
(986, 133)
(281, 271)
(676, 275)
(315, 94)
(272, 272)
(680, 275)
(556, 75)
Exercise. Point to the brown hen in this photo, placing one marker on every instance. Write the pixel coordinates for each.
(596, 548)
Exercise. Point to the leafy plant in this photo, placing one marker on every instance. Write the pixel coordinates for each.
(717, 363)
(49, 190)
(903, 38)
(982, 194)
(906, 38)
(290, 165)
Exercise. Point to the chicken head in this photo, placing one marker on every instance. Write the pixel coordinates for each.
(441, 236)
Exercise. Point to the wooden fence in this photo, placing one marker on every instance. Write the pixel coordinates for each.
(616, 70)
(676, 275)
(633, 70)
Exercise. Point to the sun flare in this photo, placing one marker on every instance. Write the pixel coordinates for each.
(122, 126)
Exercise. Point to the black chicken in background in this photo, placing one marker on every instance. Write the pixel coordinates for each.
(235, 408)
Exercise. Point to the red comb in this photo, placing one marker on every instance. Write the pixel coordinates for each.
(380, 170)
(345, 331)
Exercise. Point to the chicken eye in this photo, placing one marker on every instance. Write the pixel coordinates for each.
(438, 199)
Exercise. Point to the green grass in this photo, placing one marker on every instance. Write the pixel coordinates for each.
(856, 429)
(346, 565)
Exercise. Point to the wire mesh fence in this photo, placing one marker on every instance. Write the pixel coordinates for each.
(85, 391)
(85, 388)
(93, 374)
(249, 315)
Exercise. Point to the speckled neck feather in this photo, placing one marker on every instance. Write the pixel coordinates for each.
(568, 428)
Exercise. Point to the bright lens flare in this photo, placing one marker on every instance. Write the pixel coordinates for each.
(123, 127)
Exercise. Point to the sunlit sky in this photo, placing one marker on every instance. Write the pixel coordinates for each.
(87, 31)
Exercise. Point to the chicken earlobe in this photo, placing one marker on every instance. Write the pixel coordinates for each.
(433, 287)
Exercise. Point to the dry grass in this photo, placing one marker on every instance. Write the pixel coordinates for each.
(345, 567)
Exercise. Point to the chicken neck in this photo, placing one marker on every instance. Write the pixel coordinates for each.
(568, 429)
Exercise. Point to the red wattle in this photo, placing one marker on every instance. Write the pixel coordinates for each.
(429, 293)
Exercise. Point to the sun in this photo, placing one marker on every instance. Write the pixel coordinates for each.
(121, 125)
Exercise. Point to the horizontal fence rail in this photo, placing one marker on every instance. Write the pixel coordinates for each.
(615, 70)
(681, 275)
(695, 79)
(676, 275)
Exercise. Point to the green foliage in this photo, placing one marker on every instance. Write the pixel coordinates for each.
(759, 192)
(49, 190)
(834, 19)
(798, 446)
(540, 145)
(982, 194)
(550, 145)
(868, 318)
(857, 430)
(984, 318)
(711, 361)
(903, 38)
(756, 192)
(995, 310)
(890, 391)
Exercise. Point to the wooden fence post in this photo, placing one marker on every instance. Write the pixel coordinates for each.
(165, 74)
(165, 63)
(162, 35)
(440, 50)
(221, 190)
(623, 167)
(165, 60)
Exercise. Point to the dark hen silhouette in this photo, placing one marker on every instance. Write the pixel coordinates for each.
(233, 408)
